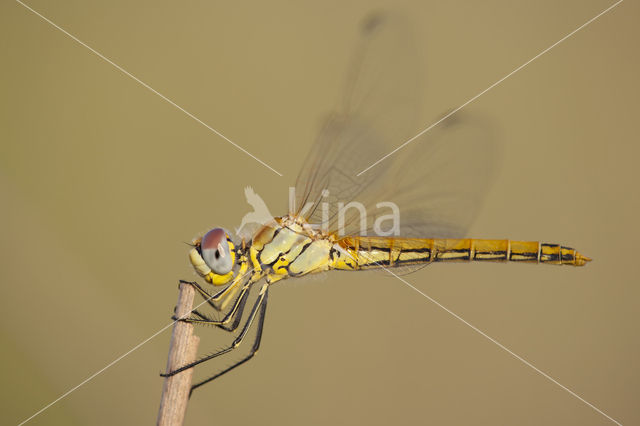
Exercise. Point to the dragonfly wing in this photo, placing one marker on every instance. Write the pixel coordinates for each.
(378, 109)
(443, 176)
(437, 181)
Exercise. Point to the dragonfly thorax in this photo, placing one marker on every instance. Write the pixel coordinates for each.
(290, 247)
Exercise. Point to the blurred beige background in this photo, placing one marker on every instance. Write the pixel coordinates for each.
(102, 181)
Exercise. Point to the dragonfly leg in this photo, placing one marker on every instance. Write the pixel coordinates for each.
(260, 306)
(254, 349)
(221, 299)
(235, 313)
(204, 293)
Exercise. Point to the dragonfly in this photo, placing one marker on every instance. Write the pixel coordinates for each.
(434, 187)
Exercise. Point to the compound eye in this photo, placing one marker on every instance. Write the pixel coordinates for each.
(216, 252)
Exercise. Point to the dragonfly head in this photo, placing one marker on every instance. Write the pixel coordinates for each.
(214, 256)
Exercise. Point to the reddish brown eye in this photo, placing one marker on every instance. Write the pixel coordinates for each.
(216, 252)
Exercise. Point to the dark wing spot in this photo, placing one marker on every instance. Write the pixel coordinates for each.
(372, 22)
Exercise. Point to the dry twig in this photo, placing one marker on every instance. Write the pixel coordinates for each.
(182, 350)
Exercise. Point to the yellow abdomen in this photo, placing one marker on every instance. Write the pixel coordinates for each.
(372, 252)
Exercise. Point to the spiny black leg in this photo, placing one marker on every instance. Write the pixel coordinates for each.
(256, 307)
(235, 312)
(204, 293)
(196, 313)
(238, 315)
(254, 349)
(213, 300)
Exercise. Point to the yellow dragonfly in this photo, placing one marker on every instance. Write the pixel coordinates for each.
(406, 212)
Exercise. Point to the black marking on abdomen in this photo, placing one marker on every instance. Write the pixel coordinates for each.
(550, 257)
(457, 254)
(406, 261)
(553, 257)
(382, 249)
(490, 255)
(523, 257)
(424, 254)
(380, 263)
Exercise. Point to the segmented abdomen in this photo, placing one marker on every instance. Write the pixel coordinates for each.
(372, 252)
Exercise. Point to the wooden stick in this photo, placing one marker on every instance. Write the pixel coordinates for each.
(182, 350)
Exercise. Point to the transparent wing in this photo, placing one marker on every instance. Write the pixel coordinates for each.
(437, 182)
(441, 179)
(353, 137)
